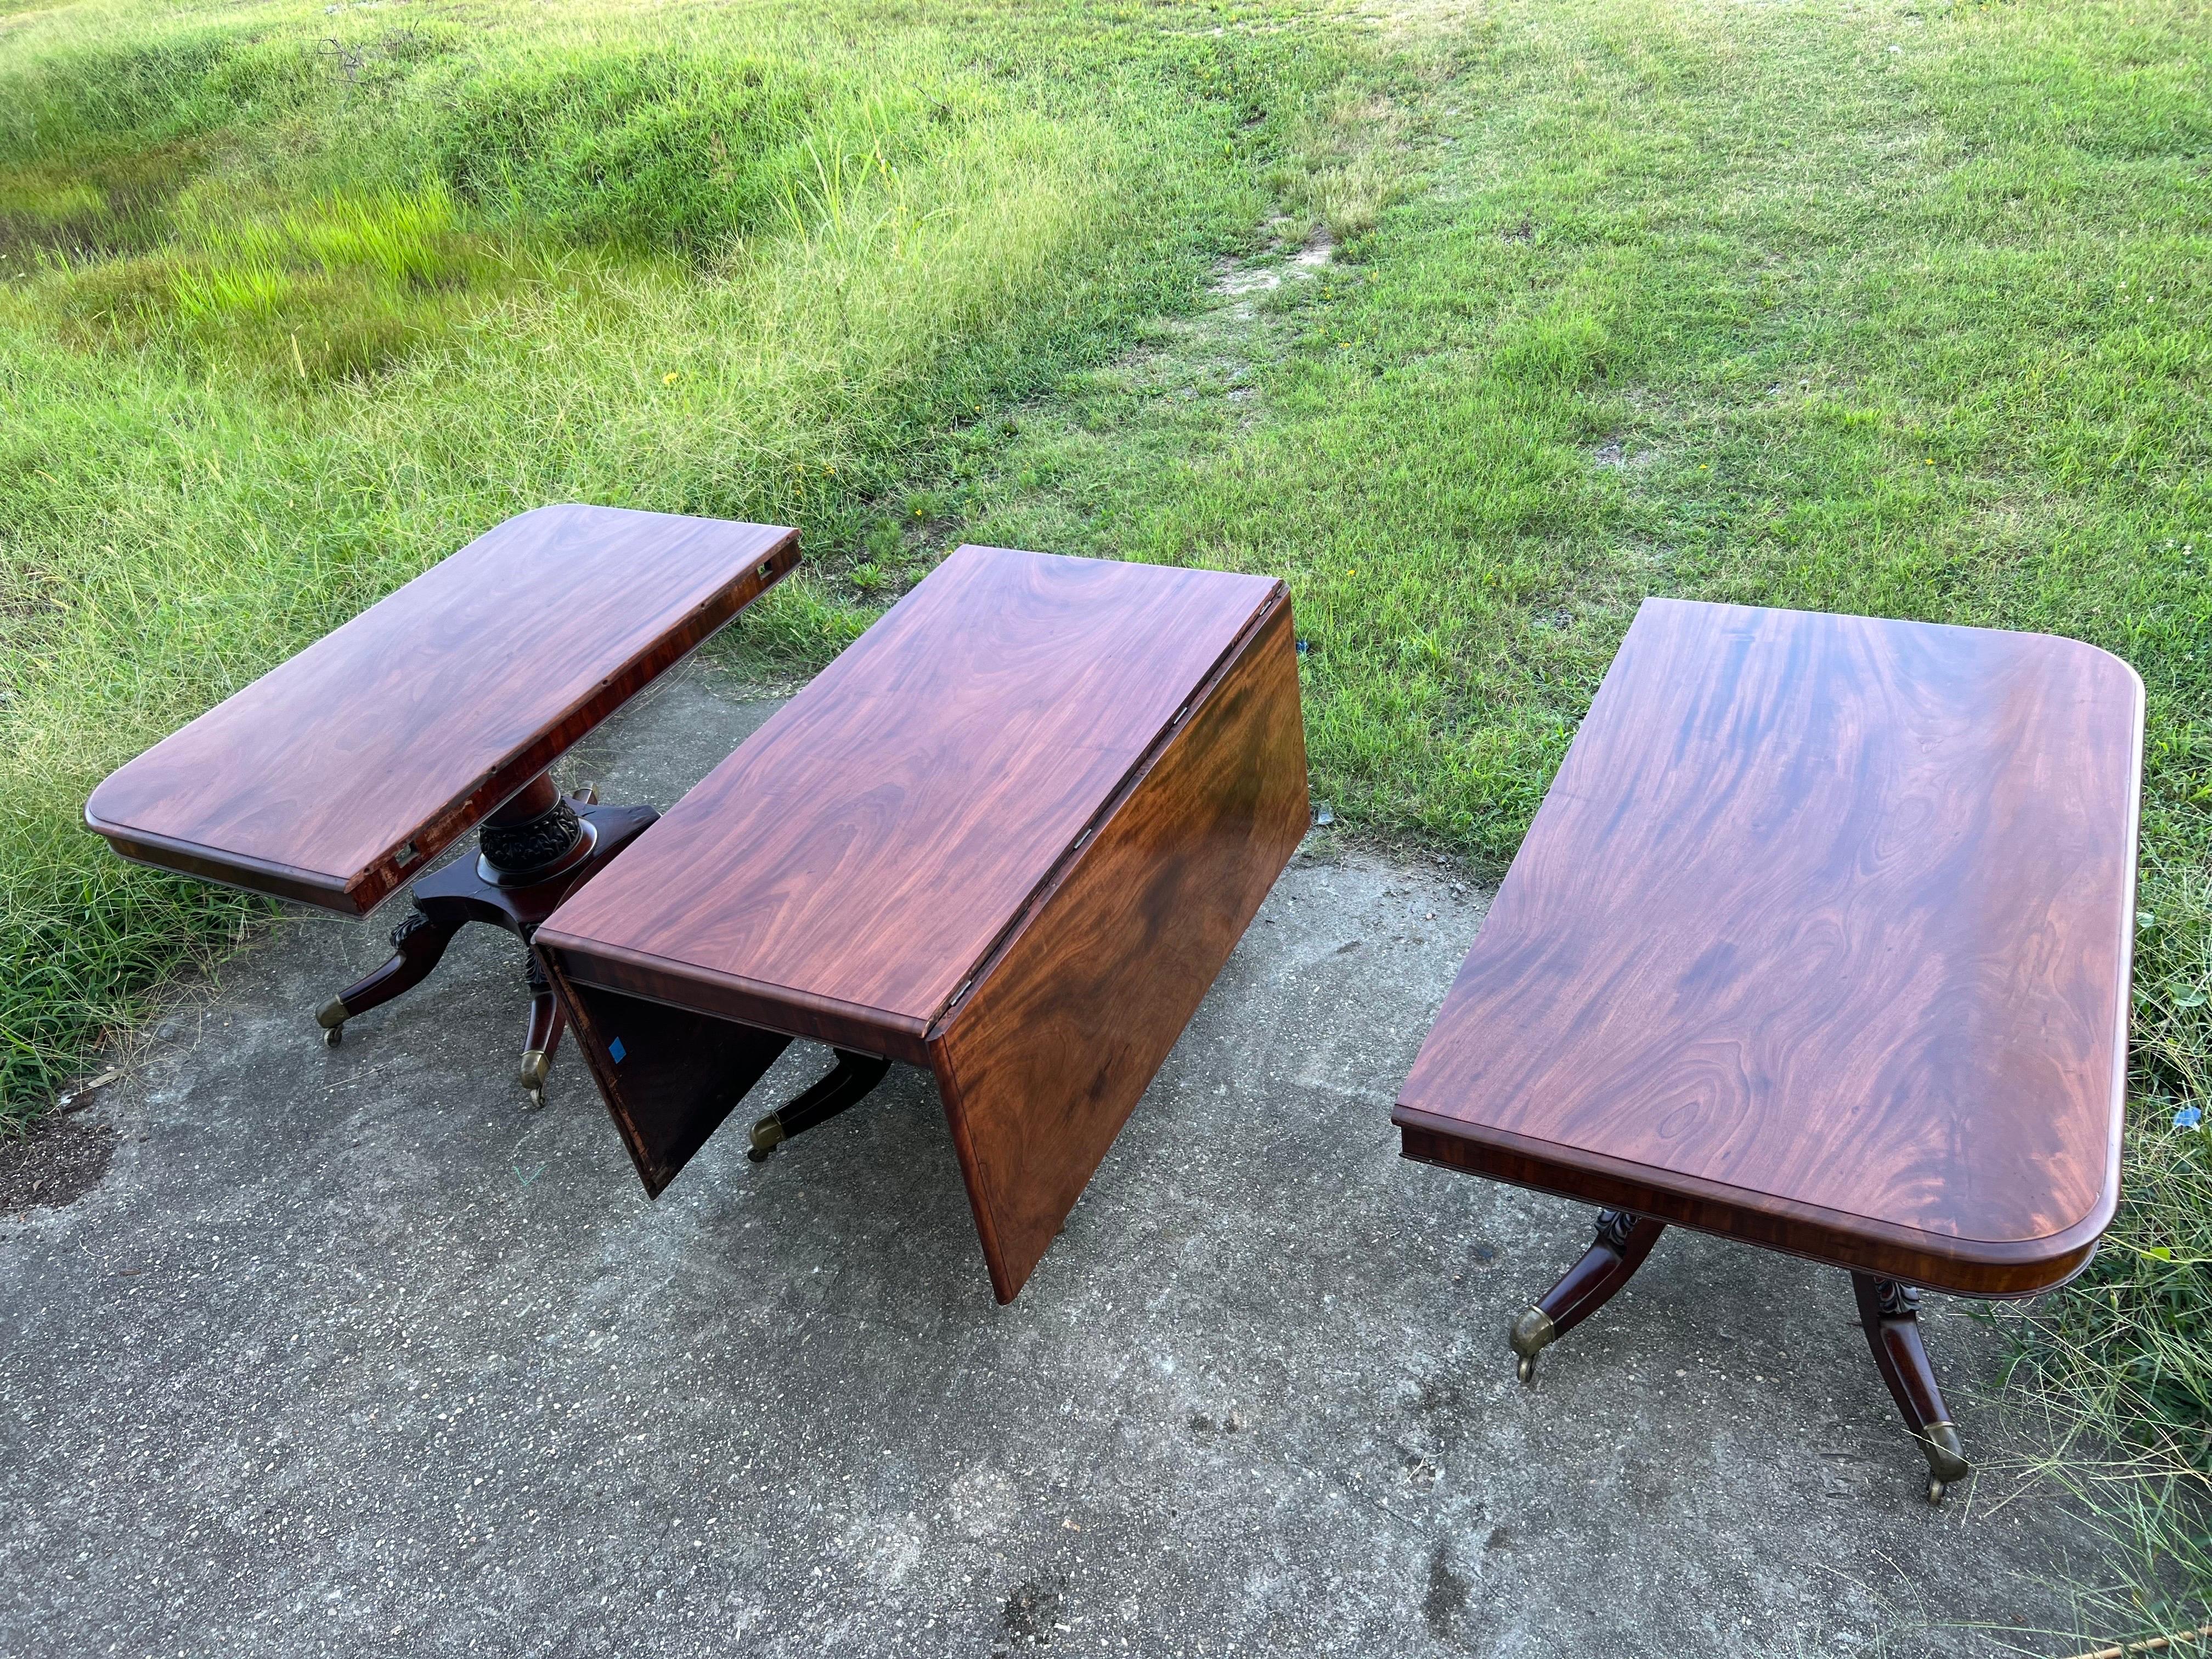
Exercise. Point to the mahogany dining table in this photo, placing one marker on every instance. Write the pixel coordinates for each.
(1011, 835)
(343, 772)
(1820, 941)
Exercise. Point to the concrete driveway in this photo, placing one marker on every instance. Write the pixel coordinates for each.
(346, 1354)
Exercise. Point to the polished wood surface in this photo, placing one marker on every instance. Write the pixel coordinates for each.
(1820, 941)
(1011, 835)
(339, 775)
(1042, 1063)
(867, 847)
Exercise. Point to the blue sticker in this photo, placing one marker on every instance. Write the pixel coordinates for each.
(615, 1051)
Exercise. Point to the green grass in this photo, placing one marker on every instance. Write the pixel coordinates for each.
(293, 303)
(1893, 307)
(1900, 309)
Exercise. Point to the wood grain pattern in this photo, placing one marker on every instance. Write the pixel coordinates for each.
(1011, 835)
(1043, 1062)
(867, 846)
(1821, 939)
(339, 773)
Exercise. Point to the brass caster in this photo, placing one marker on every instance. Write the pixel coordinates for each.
(332, 1035)
(332, 1017)
(1533, 1332)
(536, 1063)
(536, 1101)
(1947, 1459)
(768, 1135)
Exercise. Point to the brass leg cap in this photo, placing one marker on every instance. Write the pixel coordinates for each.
(536, 1063)
(1947, 1459)
(1533, 1332)
(768, 1135)
(330, 1016)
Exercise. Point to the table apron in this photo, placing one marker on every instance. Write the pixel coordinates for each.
(1956, 1267)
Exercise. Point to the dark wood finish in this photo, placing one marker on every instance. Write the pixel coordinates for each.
(669, 1075)
(1890, 1313)
(338, 774)
(540, 796)
(849, 1081)
(418, 945)
(1011, 835)
(1041, 1064)
(1623, 1241)
(472, 890)
(1820, 941)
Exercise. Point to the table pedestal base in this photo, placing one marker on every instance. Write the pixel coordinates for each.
(533, 853)
(1889, 1311)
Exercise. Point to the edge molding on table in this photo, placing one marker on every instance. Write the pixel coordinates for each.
(351, 767)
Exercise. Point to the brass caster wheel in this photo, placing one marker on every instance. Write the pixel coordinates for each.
(1533, 1332)
(1947, 1459)
(332, 1035)
(536, 1101)
(536, 1063)
(768, 1135)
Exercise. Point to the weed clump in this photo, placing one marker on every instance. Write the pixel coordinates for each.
(656, 149)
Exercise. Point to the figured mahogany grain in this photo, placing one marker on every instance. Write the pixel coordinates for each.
(1011, 835)
(867, 847)
(1041, 1064)
(1821, 939)
(340, 774)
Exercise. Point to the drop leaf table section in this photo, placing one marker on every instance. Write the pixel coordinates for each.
(1011, 835)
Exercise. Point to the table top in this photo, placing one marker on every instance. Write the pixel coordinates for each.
(868, 846)
(336, 776)
(1821, 939)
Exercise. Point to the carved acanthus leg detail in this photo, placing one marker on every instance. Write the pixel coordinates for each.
(417, 943)
(1623, 1241)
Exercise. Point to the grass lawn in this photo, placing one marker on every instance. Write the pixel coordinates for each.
(1889, 307)
(294, 301)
